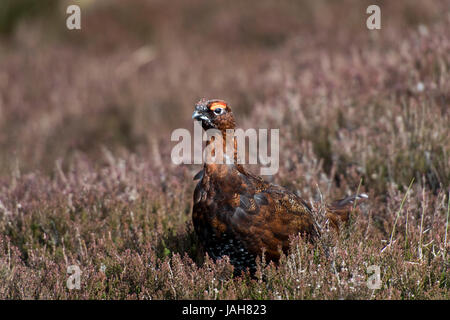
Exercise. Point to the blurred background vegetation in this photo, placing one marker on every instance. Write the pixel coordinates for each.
(133, 72)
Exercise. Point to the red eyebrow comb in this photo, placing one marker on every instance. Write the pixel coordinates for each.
(216, 105)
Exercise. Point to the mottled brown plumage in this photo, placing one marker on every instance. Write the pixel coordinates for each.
(237, 213)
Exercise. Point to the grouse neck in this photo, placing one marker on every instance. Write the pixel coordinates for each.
(221, 152)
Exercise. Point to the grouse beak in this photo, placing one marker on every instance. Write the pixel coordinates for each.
(199, 116)
(196, 115)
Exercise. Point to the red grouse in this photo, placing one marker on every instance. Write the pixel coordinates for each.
(237, 213)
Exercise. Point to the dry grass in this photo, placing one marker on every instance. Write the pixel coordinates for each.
(85, 120)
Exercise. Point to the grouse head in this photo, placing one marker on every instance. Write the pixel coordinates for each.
(214, 114)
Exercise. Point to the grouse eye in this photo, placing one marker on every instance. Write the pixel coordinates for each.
(218, 110)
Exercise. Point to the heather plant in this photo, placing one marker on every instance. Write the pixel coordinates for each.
(86, 177)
